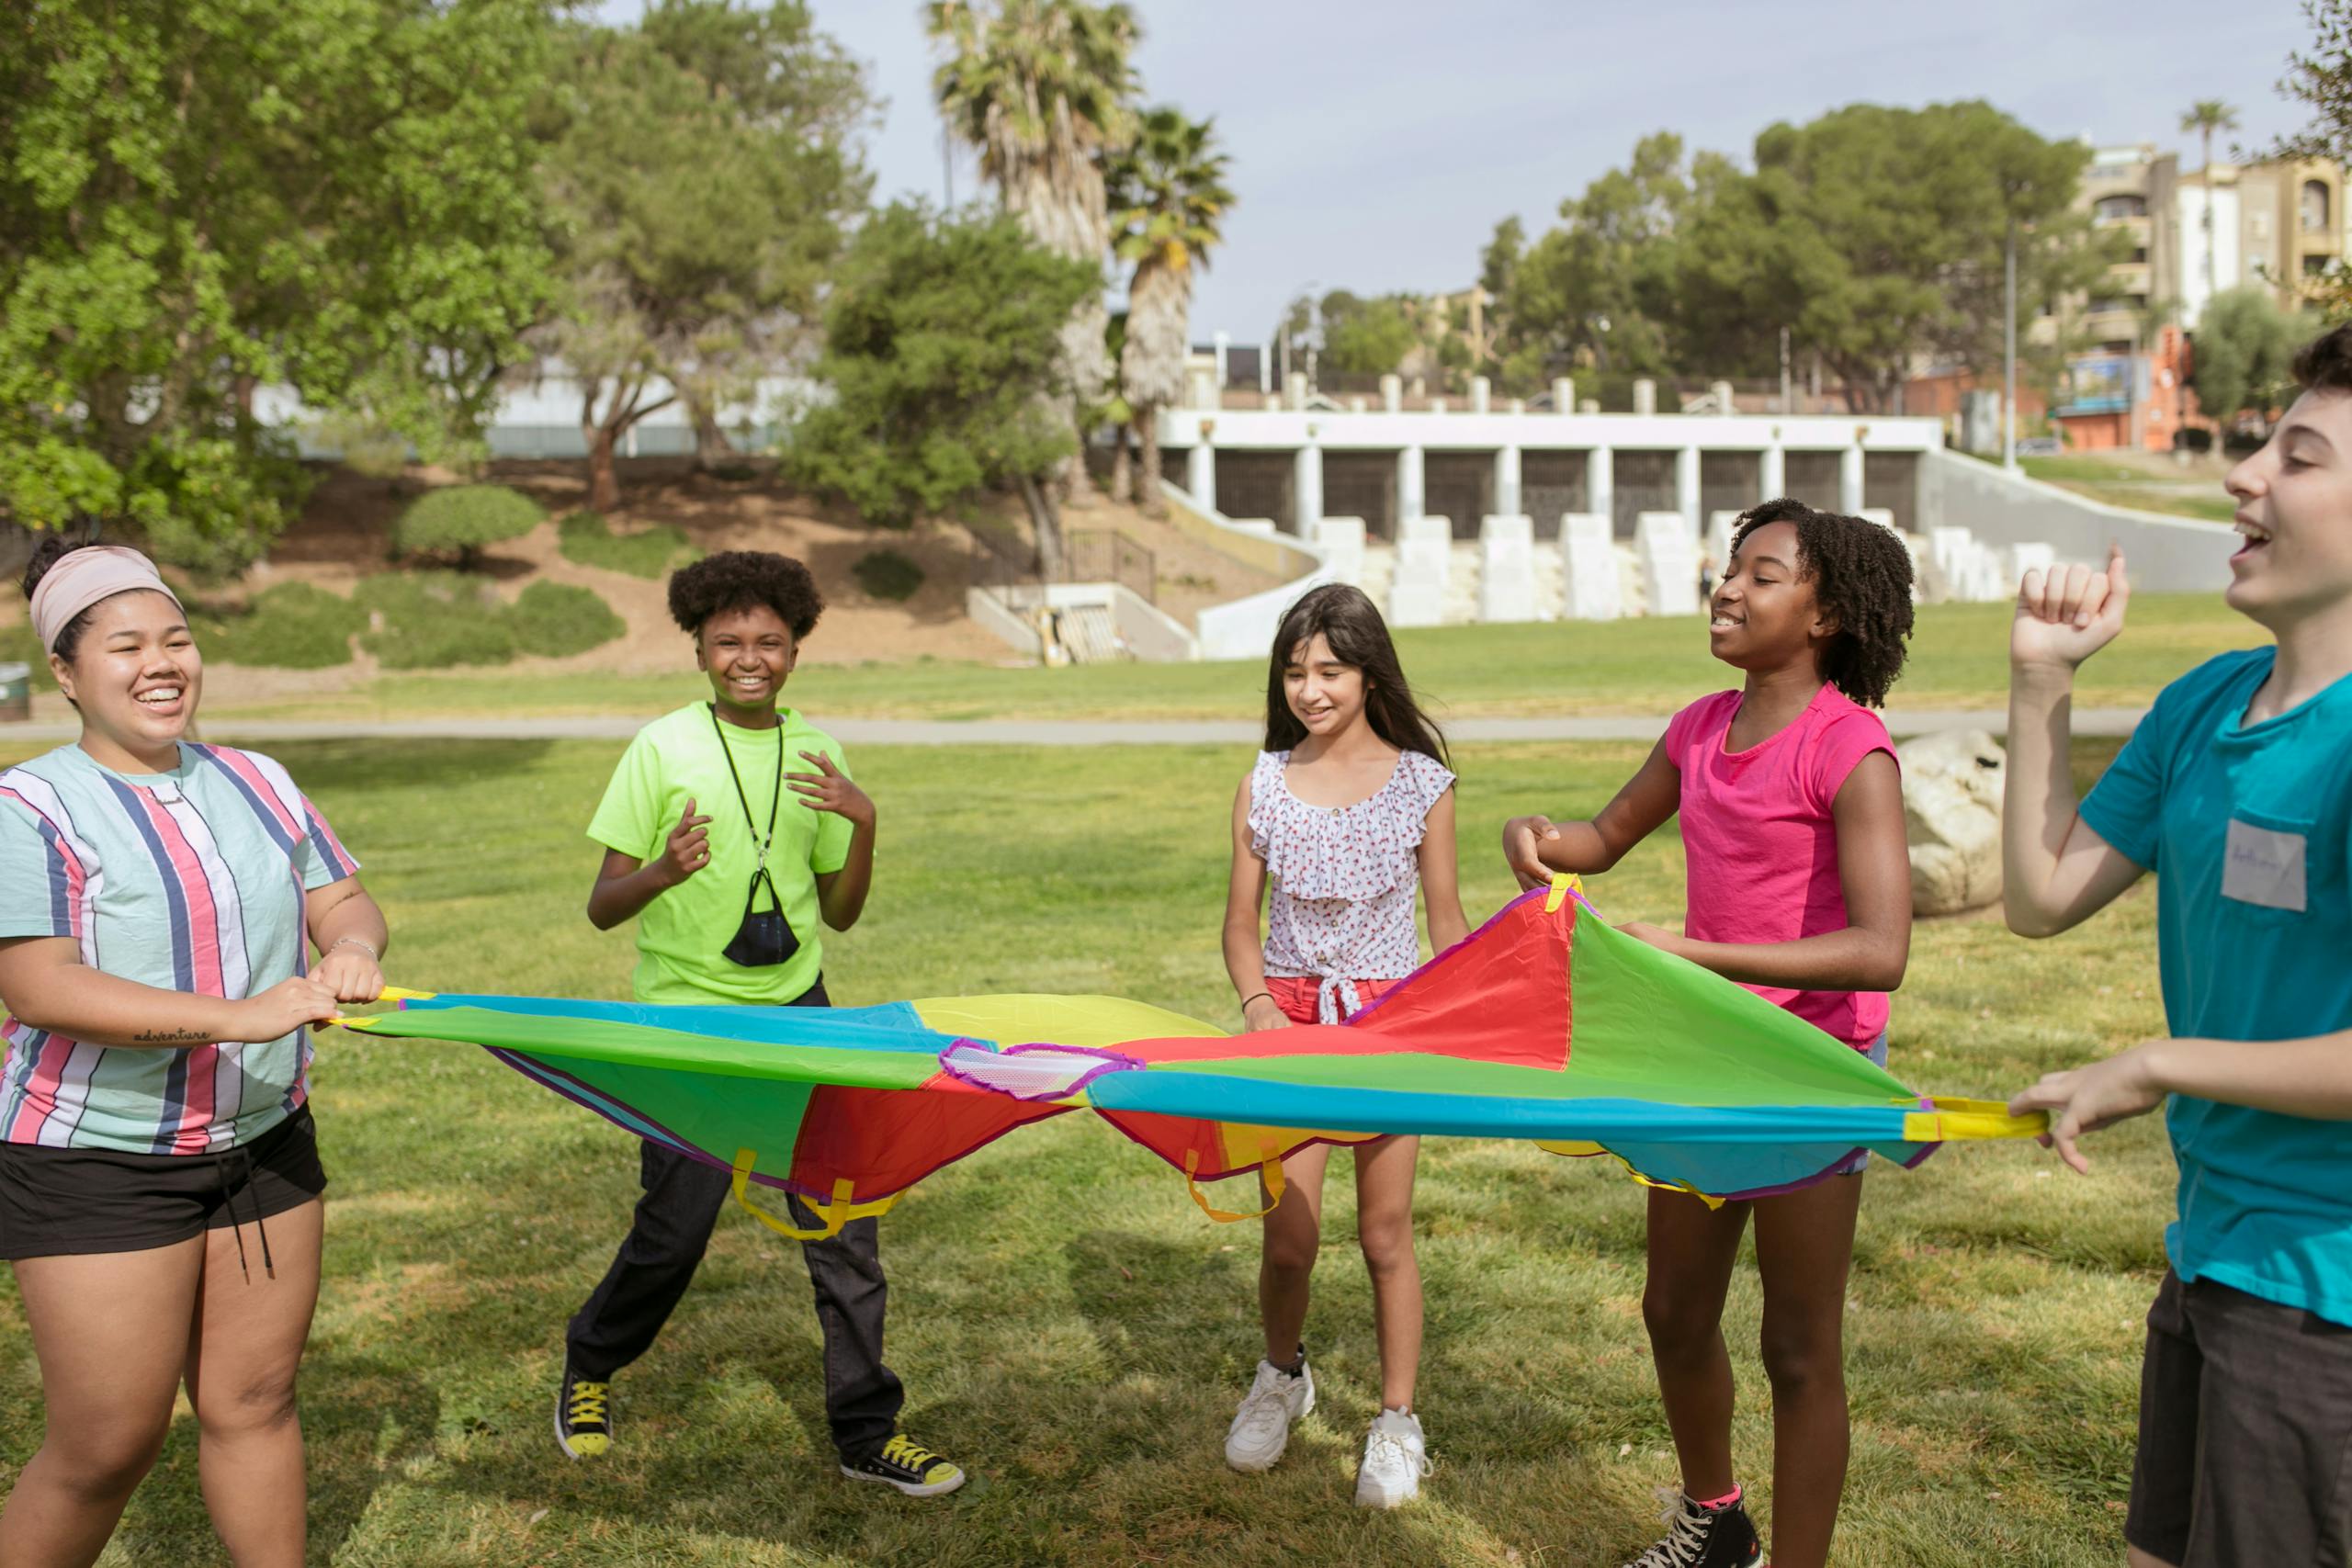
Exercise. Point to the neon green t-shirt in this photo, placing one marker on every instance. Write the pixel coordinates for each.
(682, 934)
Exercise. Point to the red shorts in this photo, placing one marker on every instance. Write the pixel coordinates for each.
(1294, 993)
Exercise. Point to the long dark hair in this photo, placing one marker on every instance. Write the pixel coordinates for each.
(1350, 624)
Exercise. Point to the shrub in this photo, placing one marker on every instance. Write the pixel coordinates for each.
(886, 574)
(460, 520)
(433, 620)
(552, 619)
(587, 540)
(295, 625)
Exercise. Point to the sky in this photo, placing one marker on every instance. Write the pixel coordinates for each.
(1375, 143)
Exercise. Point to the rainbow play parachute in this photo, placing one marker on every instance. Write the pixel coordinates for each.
(1546, 1025)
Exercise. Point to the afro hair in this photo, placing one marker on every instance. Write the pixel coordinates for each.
(743, 579)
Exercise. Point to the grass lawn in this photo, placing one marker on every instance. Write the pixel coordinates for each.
(1959, 660)
(2144, 481)
(1069, 1326)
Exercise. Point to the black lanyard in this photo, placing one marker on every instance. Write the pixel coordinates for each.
(748, 822)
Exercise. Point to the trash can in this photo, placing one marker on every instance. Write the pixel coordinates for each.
(16, 692)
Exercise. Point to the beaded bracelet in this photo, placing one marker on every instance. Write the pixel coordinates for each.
(373, 956)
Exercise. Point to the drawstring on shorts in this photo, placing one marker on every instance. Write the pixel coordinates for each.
(229, 1196)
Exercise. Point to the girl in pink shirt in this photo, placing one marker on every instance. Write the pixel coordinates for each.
(1800, 889)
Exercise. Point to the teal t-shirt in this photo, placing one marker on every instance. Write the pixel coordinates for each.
(681, 936)
(191, 880)
(2247, 829)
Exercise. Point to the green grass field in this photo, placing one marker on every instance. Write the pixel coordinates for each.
(1959, 660)
(1069, 1324)
(2143, 480)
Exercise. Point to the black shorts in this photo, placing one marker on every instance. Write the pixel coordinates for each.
(2246, 1433)
(59, 1201)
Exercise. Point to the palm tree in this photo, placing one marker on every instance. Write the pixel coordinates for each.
(1043, 89)
(1167, 197)
(2207, 116)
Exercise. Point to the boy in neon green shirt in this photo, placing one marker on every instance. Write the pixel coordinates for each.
(733, 833)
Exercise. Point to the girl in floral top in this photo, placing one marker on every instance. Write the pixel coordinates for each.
(1347, 810)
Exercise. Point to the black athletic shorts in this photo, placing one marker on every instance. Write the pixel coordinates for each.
(2246, 1433)
(55, 1201)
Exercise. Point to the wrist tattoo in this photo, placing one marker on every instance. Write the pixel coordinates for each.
(170, 1037)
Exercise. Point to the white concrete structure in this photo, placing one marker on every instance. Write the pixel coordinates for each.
(2166, 555)
(1311, 438)
(1507, 569)
(1669, 557)
(1424, 561)
(1720, 528)
(1588, 563)
(2018, 560)
(1341, 541)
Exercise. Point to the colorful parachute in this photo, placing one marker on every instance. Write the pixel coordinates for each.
(1546, 1025)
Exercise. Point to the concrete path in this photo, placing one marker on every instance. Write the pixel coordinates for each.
(2109, 722)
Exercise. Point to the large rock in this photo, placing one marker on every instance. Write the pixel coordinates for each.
(1951, 819)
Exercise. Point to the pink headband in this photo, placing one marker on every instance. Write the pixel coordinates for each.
(81, 578)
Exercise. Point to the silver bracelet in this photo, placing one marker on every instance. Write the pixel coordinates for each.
(373, 956)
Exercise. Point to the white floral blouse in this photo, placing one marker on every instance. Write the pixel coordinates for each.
(1339, 908)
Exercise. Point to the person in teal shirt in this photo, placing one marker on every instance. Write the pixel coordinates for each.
(733, 834)
(2236, 790)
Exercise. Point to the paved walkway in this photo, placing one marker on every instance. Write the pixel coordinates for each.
(2111, 722)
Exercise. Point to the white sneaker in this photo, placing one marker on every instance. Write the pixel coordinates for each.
(1260, 1428)
(1394, 1460)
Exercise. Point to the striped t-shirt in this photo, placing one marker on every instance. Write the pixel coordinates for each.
(189, 881)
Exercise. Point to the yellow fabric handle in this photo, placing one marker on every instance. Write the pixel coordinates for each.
(832, 1215)
(1563, 883)
(1271, 1172)
(1952, 1120)
(389, 994)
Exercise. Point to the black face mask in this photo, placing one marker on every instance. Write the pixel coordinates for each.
(766, 937)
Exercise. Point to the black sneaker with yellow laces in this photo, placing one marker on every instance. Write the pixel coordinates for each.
(906, 1464)
(584, 1415)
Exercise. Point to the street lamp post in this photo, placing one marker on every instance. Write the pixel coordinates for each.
(2009, 353)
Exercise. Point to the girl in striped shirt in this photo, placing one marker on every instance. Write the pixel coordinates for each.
(159, 1174)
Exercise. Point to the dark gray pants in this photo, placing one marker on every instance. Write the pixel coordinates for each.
(665, 1244)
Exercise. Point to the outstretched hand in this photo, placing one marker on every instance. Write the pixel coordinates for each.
(2083, 1100)
(2067, 614)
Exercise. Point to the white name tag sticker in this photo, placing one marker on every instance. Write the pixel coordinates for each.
(2264, 867)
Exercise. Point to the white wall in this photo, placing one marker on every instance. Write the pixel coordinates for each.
(2175, 555)
(2228, 270)
(1288, 429)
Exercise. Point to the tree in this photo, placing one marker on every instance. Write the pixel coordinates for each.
(1576, 296)
(462, 520)
(944, 354)
(1168, 197)
(1877, 235)
(1369, 337)
(2321, 78)
(2244, 351)
(701, 173)
(1043, 89)
(2205, 117)
(197, 199)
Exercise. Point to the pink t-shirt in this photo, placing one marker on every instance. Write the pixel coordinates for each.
(1761, 844)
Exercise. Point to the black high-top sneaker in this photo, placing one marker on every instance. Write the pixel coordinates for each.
(1703, 1538)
